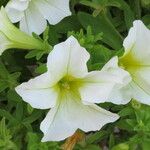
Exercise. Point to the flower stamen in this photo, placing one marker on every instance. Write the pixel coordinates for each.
(66, 85)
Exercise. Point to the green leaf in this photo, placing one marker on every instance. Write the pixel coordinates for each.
(33, 141)
(111, 141)
(92, 147)
(145, 3)
(3, 71)
(145, 144)
(3, 85)
(3, 129)
(127, 111)
(128, 13)
(30, 109)
(13, 96)
(34, 116)
(31, 54)
(8, 116)
(68, 24)
(122, 146)
(146, 19)
(7, 80)
(19, 111)
(37, 53)
(101, 24)
(42, 68)
(96, 136)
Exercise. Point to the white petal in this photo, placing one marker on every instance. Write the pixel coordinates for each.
(33, 21)
(14, 15)
(56, 126)
(139, 94)
(141, 85)
(15, 8)
(137, 44)
(62, 121)
(54, 11)
(99, 85)
(18, 4)
(112, 67)
(38, 92)
(68, 59)
(120, 93)
(96, 87)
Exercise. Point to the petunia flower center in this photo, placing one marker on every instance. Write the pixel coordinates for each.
(69, 83)
(65, 85)
(129, 62)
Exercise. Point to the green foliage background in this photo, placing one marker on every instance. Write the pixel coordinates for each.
(100, 26)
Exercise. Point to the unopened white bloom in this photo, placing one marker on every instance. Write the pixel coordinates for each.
(136, 60)
(70, 91)
(12, 37)
(32, 14)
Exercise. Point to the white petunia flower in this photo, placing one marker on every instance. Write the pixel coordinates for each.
(70, 91)
(136, 60)
(12, 37)
(32, 14)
